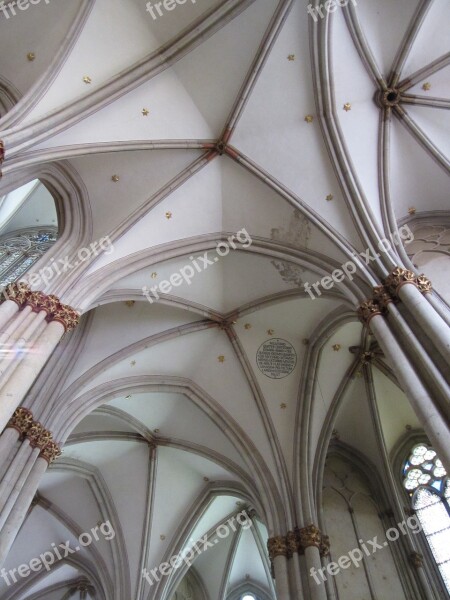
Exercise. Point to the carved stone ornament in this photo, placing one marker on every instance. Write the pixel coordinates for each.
(416, 560)
(292, 543)
(21, 294)
(277, 546)
(367, 310)
(51, 452)
(325, 546)
(21, 420)
(36, 300)
(398, 278)
(39, 436)
(310, 536)
(17, 292)
(424, 284)
(67, 316)
(382, 296)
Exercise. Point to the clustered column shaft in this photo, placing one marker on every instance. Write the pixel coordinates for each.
(26, 450)
(397, 287)
(308, 541)
(31, 325)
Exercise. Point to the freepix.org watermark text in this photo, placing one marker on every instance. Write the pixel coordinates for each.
(349, 268)
(198, 264)
(367, 548)
(9, 9)
(57, 553)
(189, 554)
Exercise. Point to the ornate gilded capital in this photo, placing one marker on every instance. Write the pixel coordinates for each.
(36, 300)
(21, 294)
(21, 420)
(67, 316)
(368, 310)
(398, 278)
(17, 292)
(310, 536)
(277, 546)
(51, 452)
(382, 296)
(292, 543)
(424, 284)
(416, 560)
(39, 436)
(325, 545)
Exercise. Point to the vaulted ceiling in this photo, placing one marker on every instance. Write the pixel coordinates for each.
(170, 135)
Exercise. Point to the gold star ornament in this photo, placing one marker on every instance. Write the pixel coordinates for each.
(336, 347)
(347, 106)
(291, 57)
(309, 118)
(87, 79)
(145, 112)
(426, 86)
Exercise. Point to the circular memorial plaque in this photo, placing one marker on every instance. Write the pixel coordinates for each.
(276, 358)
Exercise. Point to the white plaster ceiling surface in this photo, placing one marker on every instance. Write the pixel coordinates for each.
(173, 134)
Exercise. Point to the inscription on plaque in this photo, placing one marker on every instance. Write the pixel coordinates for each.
(276, 358)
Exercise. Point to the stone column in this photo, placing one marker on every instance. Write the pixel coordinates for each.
(16, 428)
(410, 289)
(16, 513)
(293, 550)
(56, 318)
(312, 541)
(371, 313)
(278, 552)
(416, 562)
(8, 310)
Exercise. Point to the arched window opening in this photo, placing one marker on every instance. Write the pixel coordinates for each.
(248, 597)
(28, 228)
(426, 481)
(19, 251)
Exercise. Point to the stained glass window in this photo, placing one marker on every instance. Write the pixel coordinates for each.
(20, 250)
(426, 480)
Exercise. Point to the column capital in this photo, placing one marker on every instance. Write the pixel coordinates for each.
(424, 284)
(416, 560)
(399, 277)
(292, 543)
(67, 316)
(21, 294)
(310, 536)
(16, 292)
(21, 420)
(367, 310)
(39, 436)
(50, 452)
(382, 296)
(325, 546)
(277, 546)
